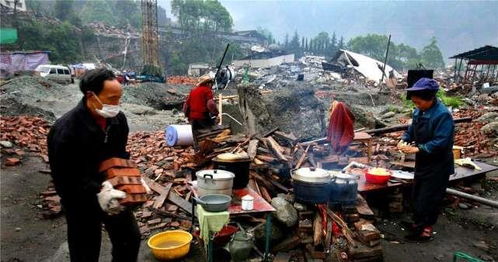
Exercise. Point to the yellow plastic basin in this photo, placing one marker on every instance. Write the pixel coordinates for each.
(170, 245)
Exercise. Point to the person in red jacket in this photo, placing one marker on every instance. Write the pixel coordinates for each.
(200, 108)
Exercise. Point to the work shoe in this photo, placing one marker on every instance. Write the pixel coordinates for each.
(421, 236)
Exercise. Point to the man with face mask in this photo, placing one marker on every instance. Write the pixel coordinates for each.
(94, 131)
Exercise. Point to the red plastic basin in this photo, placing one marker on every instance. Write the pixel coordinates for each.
(376, 179)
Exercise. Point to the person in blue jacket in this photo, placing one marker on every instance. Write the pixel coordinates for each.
(430, 137)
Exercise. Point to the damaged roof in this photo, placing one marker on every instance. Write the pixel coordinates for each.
(367, 66)
(485, 53)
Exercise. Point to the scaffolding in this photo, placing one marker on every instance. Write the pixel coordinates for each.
(150, 37)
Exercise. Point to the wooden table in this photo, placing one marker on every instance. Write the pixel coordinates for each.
(460, 173)
(365, 138)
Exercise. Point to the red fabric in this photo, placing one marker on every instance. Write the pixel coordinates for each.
(340, 132)
(196, 105)
(102, 122)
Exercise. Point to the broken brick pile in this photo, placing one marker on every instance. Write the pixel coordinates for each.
(28, 134)
(469, 135)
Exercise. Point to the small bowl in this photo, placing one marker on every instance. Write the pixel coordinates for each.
(170, 245)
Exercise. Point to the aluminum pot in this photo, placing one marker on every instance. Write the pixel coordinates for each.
(311, 175)
(311, 185)
(214, 181)
(343, 189)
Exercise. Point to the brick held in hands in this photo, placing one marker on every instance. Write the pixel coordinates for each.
(113, 172)
(116, 162)
(133, 199)
(125, 180)
(132, 189)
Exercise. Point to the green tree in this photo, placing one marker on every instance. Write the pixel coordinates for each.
(63, 9)
(98, 11)
(431, 56)
(341, 44)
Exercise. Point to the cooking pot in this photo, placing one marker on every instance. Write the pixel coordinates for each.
(311, 185)
(311, 175)
(214, 202)
(238, 166)
(214, 181)
(343, 189)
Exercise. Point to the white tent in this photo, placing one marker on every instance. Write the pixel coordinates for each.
(368, 67)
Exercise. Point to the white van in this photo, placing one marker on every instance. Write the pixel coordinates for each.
(56, 73)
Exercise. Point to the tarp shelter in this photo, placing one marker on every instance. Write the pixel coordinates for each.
(366, 66)
(8, 36)
(486, 57)
(21, 61)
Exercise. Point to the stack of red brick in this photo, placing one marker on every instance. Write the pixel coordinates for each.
(125, 176)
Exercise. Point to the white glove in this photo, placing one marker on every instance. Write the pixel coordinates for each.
(108, 199)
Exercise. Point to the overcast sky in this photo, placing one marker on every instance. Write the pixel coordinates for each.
(458, 25)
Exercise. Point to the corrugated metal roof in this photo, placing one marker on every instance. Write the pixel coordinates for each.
(484, 53)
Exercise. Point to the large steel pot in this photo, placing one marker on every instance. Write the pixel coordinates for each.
(343, 189)
(239, 167)
(214, 181)
(311, 185)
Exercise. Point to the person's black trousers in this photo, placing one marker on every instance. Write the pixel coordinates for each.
(84, 231)
(428, 194)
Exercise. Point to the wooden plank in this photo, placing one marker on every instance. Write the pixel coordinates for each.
(252, 150)
(158, 188)
(162, 197)
(303, 156)
(276, 148)
(265, 194)
(289, 137)
(265, 158)
(173, 197)
(269, 133)
(180, 202)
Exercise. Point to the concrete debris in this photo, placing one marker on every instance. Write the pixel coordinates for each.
(6, 144)
(491, 129)
(286, 213)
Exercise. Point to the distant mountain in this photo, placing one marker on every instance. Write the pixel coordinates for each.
(458, 25)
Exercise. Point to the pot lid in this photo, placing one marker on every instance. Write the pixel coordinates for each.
(312, 175)
(247, 197)
(343, 176)
(217, 174)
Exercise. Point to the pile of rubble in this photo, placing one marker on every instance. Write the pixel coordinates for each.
(101, 28)
(183, 80)
(21, 135)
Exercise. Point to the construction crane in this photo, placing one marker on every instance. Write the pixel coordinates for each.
(150, 39)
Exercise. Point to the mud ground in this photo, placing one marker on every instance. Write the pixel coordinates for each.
(26, 236)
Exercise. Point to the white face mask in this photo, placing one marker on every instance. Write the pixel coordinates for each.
(107, 111)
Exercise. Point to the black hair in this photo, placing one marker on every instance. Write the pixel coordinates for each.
(93, 80)
(427, 95)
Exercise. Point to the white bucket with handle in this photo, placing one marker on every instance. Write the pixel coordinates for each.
(179, 135)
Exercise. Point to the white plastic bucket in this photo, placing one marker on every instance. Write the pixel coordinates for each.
(179, 135)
